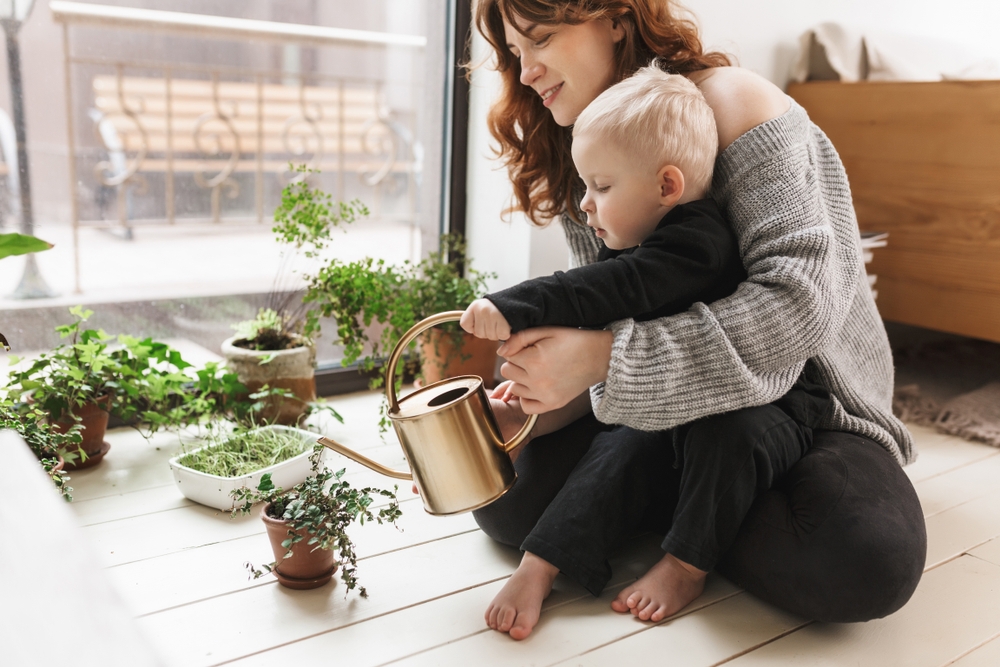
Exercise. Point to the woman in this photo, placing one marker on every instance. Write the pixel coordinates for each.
(837, 537)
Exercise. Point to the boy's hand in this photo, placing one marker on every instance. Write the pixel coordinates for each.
(484, 320)
(503, 391)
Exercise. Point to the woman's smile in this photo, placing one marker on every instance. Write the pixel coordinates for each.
(549, 95)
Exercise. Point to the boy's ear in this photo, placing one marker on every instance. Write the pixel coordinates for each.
(670, 180)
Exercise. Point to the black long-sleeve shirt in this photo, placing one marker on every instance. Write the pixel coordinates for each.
(691, 256)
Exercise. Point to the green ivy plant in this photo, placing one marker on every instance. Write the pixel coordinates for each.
(46, 443)
(322, 506)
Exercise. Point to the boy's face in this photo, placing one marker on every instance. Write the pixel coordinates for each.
(624, 197)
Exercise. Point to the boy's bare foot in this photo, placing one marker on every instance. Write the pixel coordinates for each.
(668, 587)
(516, 608)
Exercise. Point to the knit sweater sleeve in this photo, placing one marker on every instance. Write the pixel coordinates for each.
(785, 203)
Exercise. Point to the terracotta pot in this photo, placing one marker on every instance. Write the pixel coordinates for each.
(305, 568)
(440, 359)
(292, 369)
(94, 420)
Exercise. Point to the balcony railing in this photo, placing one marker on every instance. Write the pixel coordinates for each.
(203, 142)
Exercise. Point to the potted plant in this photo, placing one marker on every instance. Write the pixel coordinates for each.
(369, 292)
(73, 384)
(145, 383)
(270, 351)
(307, 522)
(237, 458)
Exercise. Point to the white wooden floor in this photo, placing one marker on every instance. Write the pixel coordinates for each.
(179, 567)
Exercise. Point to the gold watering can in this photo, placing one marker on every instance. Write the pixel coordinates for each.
(449, 435)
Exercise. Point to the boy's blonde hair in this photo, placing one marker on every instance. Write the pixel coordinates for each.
(660, 118)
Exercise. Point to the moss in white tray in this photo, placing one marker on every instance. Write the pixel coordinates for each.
(245, 452)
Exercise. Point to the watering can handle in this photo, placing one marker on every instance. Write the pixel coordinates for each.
(416, 330)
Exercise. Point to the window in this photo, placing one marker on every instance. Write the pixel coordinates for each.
(176, 122)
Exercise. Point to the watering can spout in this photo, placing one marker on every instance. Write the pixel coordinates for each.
(364, 460)
(458, 457)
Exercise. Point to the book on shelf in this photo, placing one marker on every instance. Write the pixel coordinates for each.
(870, 241)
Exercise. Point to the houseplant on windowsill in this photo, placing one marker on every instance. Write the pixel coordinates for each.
(73, 385)
(367, 294)
(270, 351)
(80, 382)
(307, 522)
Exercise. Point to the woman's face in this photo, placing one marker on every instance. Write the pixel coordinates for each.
(566, 65)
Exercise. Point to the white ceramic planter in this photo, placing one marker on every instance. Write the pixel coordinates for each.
(288, 369)
(213, 491)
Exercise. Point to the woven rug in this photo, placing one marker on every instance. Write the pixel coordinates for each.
(948, 383)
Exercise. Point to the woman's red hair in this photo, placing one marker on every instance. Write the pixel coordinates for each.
(535, 149)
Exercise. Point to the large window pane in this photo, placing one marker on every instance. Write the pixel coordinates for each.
(178, 135)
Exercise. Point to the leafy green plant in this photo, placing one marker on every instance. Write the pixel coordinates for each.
(149, 384)
(45, 442)
(307, 216)
(270, 330)
(244, 451)
(358, 294)
(143, 380)
(322, 506)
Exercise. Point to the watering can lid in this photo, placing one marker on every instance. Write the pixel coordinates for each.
(435, 396)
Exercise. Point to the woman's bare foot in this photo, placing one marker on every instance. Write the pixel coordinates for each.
(668, 587)
(516, 608)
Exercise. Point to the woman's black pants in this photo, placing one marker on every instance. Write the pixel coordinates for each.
(823, 524)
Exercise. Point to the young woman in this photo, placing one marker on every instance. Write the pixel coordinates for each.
(838, 535)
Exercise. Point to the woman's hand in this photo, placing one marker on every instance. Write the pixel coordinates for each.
(510, 418)
(551, 366)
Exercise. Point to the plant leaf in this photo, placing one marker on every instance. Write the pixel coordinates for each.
(21, 244)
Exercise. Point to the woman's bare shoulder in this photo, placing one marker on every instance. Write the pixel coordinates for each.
(741, 100)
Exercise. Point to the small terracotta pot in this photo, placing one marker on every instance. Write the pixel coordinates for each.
(94, 420)
(440, 359)
(305, 568)
(292, 369)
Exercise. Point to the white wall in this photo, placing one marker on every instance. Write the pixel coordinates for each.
(762, 35)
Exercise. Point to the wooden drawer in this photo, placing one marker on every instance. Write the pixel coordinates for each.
(923, 160)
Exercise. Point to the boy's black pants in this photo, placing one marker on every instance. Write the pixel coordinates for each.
(823, 524)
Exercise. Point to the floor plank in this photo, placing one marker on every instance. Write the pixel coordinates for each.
(564, 631)
(940, 452)
(450, 618)
(987, 655)
(252, 620)
(955, 607)
(708, 637)
(959, 529)
(959, 485)
(989, 552)
(190, 575)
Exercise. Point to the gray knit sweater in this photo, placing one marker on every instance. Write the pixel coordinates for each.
(806, 302)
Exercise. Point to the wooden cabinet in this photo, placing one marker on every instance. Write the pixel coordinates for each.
(923, 160)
